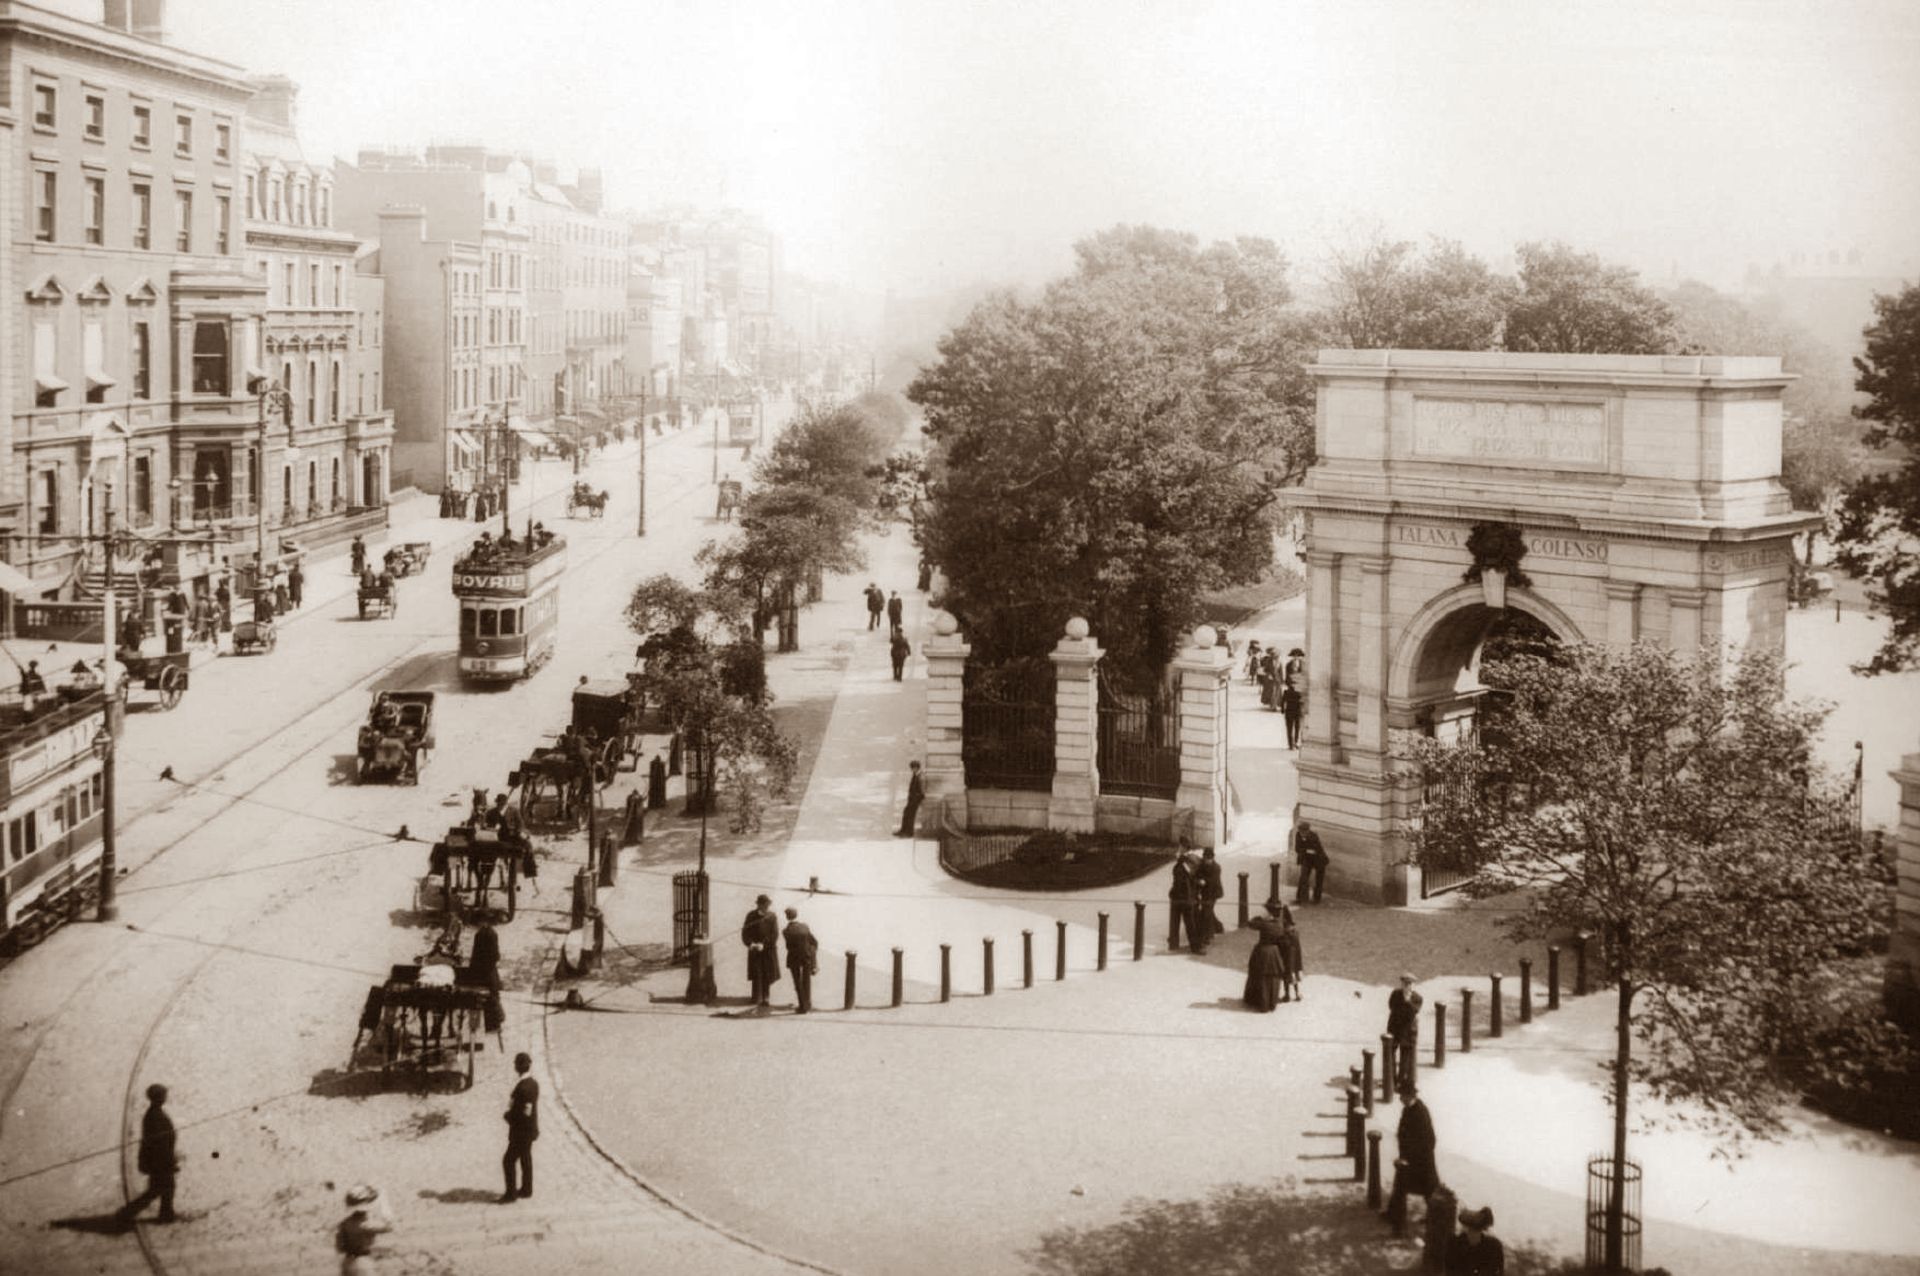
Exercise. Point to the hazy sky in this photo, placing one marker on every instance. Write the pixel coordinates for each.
(931, 144)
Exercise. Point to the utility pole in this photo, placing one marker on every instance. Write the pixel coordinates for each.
(109, 609)
(643, 454)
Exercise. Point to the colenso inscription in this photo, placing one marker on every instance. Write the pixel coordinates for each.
(1539, 544)
(1511, 431)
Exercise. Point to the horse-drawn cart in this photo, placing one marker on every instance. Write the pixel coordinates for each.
(609, 715)
(397, 734)
(254, 635)
(378, 598)
(428, 1018)
(551, 791)
(728, 499)
(472, 864)
(166, 675)
(585, 498)
(409, 559)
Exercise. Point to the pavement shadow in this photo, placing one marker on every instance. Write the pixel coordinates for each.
(460, 1196)
(114, 1224)
(343, 1083)
(343, 768)
(429, 671)
(1248, 1228)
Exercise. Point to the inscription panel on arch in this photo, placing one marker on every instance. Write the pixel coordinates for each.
(1528, 433)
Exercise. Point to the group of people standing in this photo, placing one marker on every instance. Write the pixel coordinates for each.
(761, 933)
(1282, 684)
(898, 648)
(1195, 892)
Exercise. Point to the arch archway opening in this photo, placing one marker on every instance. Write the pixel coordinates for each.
(1453, 695)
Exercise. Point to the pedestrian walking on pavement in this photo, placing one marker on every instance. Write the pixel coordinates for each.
(1253, 660)
(1269, 679)
(358, 550)
(523, 1127)
(1476, 1251)
(1403, 1025)
(900, 651)
(296, 583)
(1313, 863)
(1416, 1143)
(1293, 708)
(1210, 893)
(1180, 897)
(916, 794)
(158, 1159)
(223, 604)
(761, 934)
(803, 958)
(656, 784)
(896, 610)
(367, 1221)
(1266, 964)
(876, 603)
(1290, 951)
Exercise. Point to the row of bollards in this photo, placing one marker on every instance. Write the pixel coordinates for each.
(1496, 1003)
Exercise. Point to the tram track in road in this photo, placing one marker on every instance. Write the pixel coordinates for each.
(226, 804)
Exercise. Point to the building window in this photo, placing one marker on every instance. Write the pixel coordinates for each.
(313, 486)
(376, 392)
(143, 489)
(183, 221)
(339, 286)
(335, 493)
(46, 100)
(46, 359)
(210, 357)
(142, 215)
(326, 206)
(275, 188)
(94, 350)
(286, 493)
(222, 223)
(376, 331)
(49, 507)
(253, 209)
(333, 393)
(287, 274)
(360, 395)
(313, 284)
(96, 192)
(142, 360)
(183, 135)
(96, 128)
(46, 195)
(223, 141)
(142, 126)
(313, 389)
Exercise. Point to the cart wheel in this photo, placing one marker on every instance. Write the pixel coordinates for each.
(413, 767)
(609, 764)
(172, 684)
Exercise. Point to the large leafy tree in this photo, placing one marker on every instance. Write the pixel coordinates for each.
(1114, 449)
(1380, 296)
(1672, 808)
(1571, 302)
(1880, 521)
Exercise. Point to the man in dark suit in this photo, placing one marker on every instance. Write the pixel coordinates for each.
(656, 784)
(1416, 1142)
(1180, 899)
(1313, 863)
(895, 611)
(159, 1158)
(761, 934)
(1403, 1025)
(803, 958)
(523, 1127)
(1211, 891)
(1291, 708)
(876, 603)
(916, 794)
(899, 650)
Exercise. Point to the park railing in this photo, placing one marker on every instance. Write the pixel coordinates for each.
(1006, 727)
(1139, 738)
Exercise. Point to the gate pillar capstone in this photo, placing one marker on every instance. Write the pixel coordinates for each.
(1203, 670)
(1903, 952)
(1076, 708)
(944, 766)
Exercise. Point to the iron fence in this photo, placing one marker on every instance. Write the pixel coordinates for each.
(1139, 740)
(1006, 727)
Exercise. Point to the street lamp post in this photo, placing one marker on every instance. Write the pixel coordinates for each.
(269, 392)
(642, 531)
(103, 739)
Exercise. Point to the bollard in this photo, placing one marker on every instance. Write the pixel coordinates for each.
(1103, 942)
(1373, 1169)
(1243, 901)
(599, 938)
(1388, 1060)
(852, 958)
(1495, 1005)
(946, 973)
(1397, 1200)
(582, 897)
(1466, 1020)
(987, 971)
(1356, 1134)
(1026, 955)
(1439, 1034)
(1273, 882)
(700, 986)
(1366, 1079)
(1139, 930)
(1411, 1051)
(1173, 925)
(1353, 1077)
(1443, 1209)
(1526, 990)
(1580, 964)
(1553, 976)
(899, 975)
(1060, 952)
(609, 861)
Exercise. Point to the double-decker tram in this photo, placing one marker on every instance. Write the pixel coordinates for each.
(51, 802)
(509, 594)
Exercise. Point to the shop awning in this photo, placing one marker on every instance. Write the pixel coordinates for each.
(465, 442)
(15, 581)
(537, 438)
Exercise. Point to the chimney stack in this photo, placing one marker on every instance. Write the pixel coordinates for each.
(273, 100)
(144, 18)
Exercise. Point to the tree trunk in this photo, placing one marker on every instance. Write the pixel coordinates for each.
(1617, 1188)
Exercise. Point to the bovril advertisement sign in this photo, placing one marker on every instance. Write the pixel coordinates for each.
(511, 583)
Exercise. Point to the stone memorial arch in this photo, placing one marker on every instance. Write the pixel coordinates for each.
(1644, 489)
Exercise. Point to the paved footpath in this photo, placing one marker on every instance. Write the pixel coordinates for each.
(857, 1138)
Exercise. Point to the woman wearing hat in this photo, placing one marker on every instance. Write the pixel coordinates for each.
(355, 1236)
(1476, 1251)
(1267, 965)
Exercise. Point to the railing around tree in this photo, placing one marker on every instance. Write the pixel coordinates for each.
(1139, 738)
(1006, 727)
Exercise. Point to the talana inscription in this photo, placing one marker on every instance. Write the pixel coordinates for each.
(1578, 549)
(1511, 432)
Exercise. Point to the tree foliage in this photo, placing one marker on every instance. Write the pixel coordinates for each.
(1114, 449)
(709, 682)
(1381, 297)
(1571, 302)
(1672, 807)
(1879, 524)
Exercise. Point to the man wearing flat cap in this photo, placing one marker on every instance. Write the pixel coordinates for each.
(1476, 1251)
(803, 958)
(1403, 1025)
(158, 1159)
(761, 934)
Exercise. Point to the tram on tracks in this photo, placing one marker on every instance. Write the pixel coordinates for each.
(509, 596)
(51, 807)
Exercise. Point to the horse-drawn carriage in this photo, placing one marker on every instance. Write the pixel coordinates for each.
(610, 715)
(397, 734)
(583, 497)
(378, 597)
(408, 559)
(472, 864)
(552, 784)
(253, 635)
(166, 674)
(727, 502)
(429, 1016)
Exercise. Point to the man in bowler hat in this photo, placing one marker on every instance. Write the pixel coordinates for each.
(761, 934)
(1313, 863)
(1403, 1025)
(916, 794)
(158, 1159)
(803, 958)
(523, 1127)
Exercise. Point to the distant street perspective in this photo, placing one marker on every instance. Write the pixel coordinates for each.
(959, 639)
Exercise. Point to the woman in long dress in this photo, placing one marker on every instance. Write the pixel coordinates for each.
(1266, 966)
